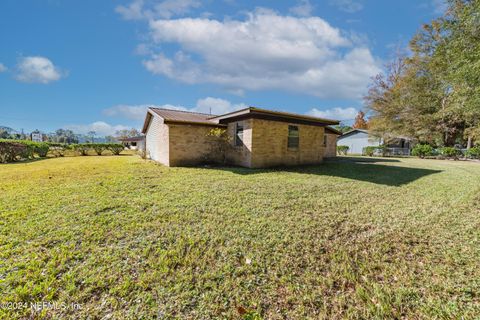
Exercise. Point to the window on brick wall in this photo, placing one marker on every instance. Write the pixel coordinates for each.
(293, 137)
(324, 140)
(239, 135)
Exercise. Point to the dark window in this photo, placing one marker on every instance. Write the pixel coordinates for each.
(239, 135)
(293, 137)
(324, 140)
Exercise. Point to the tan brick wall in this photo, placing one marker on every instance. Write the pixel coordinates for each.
(241, 156)
(331, 150)
(190, 145)
(265, 144)
(156, 141)
(269, 144)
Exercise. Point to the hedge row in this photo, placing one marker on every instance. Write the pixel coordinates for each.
(13, 150)
(425, 150)
(84, 148)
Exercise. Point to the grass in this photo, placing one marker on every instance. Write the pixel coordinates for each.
(352, 238)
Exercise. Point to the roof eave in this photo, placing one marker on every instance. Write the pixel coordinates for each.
(284, 115)
(335, 131)
(212, 124)
(146, 122)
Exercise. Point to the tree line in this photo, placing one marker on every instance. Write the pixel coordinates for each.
(68, 136)
(432, 94)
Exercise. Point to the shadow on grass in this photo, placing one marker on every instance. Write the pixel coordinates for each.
(68, 156)
(355, 168)
(23, 161)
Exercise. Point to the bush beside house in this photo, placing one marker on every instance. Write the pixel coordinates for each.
(423, 150)
(373, 151)
(449, 152)
(473, 153)
(427, 151)
(342, 150)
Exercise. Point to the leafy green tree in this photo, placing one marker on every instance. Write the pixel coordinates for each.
(342, 128)
(4, 134)
(127, 133)
(461, 49)
(63, 136)
(91, 135)
(433, 94)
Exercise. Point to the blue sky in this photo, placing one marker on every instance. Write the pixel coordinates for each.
(96, 65)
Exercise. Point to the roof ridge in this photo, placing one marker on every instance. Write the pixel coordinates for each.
(292, 113)
(277, 112)
(185, 111)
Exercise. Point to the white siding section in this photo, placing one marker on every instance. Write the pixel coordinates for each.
(141, 145)
(156, 141)
(357, 141)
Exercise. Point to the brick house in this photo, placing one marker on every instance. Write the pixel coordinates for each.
(259, 138)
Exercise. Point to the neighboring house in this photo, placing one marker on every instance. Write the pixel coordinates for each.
(134, 143)
(358, 139)
(259, 137)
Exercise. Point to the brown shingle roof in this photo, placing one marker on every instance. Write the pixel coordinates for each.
(183, 116)
(188, 117)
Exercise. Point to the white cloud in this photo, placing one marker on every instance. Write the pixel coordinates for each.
(101, 128)
(136, 112)
(349, 6)
(265, 51)
(134, 11)
(206, 105)
(342, 114)
(150, 9)
(37, 70)
(303, 9)
(169, 8)
(3, 68)
(143, 49)
(216, 106)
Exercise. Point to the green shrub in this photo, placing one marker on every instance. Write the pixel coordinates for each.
(40, 148)
(58, 149)
(29, 149)
(449, 152)
(371, 150)
(81, 148)
(99, 148)
(11, 150)
(473, 153)
(423, 150)
(22, 149)
(115, 148)
(342, 149)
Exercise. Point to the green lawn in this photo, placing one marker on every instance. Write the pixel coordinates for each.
(352, 238)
